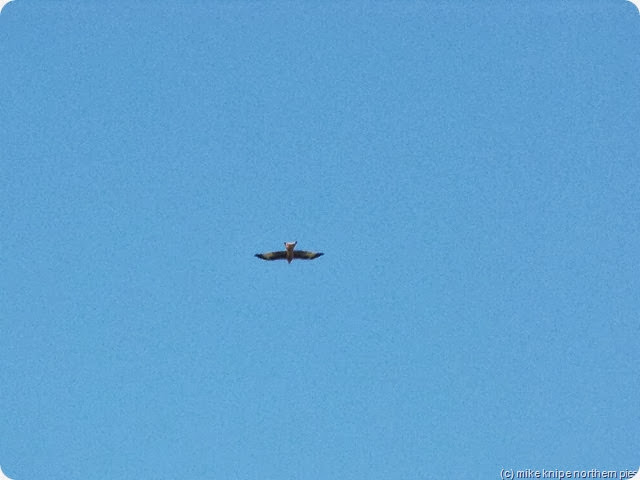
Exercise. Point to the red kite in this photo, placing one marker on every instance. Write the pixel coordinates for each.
(289, 254)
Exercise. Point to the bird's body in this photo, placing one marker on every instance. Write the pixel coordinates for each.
(289, 254)
(289, 246)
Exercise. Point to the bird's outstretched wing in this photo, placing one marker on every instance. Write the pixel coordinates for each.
(272, 255)
(306, 255)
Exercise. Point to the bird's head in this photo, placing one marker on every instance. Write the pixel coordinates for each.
(290, 245)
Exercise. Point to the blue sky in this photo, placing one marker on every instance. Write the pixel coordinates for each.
(470, 170)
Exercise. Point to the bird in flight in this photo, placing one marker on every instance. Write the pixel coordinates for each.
(289, 254)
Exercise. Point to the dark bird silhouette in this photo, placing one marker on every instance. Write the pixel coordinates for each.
(289, 254)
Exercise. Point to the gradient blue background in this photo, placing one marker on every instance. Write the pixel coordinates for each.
(471, 171)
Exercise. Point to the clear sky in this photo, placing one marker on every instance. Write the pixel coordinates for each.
(470, 170)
